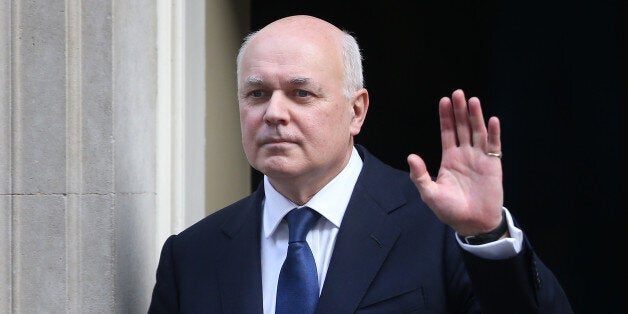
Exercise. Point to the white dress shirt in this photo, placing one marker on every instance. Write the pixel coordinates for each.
(331, 202)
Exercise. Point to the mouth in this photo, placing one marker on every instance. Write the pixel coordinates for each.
(276, 141)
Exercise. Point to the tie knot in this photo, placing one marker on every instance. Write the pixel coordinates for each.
(300, 221)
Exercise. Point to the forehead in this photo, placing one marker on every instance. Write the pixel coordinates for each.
(291, 54)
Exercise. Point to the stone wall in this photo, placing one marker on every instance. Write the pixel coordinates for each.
(77, 155)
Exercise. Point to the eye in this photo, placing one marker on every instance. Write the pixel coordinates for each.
(302, 93)
(257, 93)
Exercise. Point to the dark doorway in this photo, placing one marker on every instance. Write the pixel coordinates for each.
(555, 74)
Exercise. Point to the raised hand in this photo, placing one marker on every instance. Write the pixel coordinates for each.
(467, 194)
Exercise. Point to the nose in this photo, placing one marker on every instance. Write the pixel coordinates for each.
(277, 112)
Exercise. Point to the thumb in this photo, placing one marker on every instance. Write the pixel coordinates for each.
(420, 176)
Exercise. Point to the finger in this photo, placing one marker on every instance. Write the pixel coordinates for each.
(461, 114)
(447, 123)
(478, 128)
(420, 176)
(494, 144)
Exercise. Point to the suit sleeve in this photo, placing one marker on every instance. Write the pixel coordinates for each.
(165, 297)
(521, 284)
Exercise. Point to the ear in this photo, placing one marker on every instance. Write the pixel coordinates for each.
(360, 105)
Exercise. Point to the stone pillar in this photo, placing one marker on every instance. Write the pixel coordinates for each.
(77, 155)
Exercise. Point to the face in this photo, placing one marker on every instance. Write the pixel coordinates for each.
(297, 125)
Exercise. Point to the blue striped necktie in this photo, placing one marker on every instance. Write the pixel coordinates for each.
(297, 289)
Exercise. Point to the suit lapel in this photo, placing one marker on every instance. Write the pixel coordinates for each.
(364, 241)
(240, 272)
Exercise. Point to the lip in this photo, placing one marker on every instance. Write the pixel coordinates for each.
(276, 142)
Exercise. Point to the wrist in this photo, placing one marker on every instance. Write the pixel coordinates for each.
(499, 232)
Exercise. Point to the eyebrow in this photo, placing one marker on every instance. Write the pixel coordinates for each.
(298, 81)
(254, 80)
(294, 81)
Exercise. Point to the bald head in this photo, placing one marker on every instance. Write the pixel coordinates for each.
(315, 34)
(304, 26)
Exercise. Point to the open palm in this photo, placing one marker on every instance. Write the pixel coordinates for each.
(467, 193)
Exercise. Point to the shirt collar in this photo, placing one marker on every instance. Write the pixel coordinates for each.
(331, 201)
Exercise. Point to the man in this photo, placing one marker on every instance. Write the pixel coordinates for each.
(384, 240)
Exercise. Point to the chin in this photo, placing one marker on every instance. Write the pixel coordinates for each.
(282, 170)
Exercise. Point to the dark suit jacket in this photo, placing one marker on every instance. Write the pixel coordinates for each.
(392, 255)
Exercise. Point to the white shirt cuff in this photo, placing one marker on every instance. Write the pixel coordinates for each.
(500, 249)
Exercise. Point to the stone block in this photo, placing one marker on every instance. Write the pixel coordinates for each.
(39, 97)
(95, 252)
(39, 260)
(96, 97)
(5, 254)
(5, 100)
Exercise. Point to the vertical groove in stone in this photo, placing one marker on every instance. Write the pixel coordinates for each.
(74, 147)
(114, 204)
(6, 231)
(14, 64)
(73, 256)
(96, 177)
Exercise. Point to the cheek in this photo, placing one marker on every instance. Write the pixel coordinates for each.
(248, 131)
(248, 122)
(339, 121)
(330, 128)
